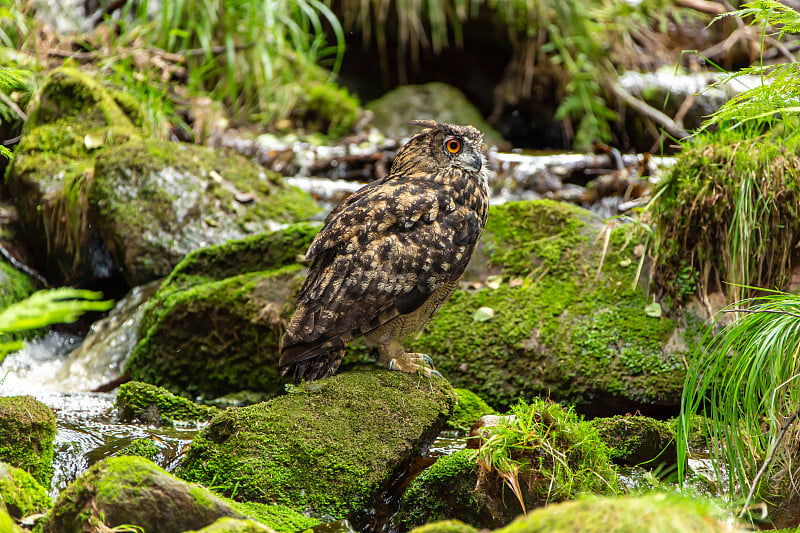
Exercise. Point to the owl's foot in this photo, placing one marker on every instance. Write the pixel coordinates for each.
(414, 363)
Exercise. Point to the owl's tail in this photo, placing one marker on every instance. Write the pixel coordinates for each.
(311, 361)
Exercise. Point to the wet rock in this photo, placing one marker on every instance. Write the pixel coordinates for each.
(436, 101)
(544, 451)
(656, 512)
(157, 406)
(638, 440)
(27, 434)
(23, 496)
(97, 200)
(329, 449)
(214, 326)
(134, 491)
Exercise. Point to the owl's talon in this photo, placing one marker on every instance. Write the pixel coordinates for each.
(409, 366)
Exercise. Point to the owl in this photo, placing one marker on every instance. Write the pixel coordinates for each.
(391, 254)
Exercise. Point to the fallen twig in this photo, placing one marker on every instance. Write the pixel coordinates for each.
(650, 112)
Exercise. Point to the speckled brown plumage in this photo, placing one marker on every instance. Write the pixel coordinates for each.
(391, 254)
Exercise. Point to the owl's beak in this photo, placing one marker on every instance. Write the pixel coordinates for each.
(475, 162)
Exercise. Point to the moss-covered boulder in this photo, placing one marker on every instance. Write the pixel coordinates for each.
(214, 327)
(278, 517)
(638, 440)
(27, 434)
(568, 322)
(156, 202)
(543, 450)
(96, 197)
(234, 525)
(468, 410)
(14, 287)
(437, 101)
(157, 406)
(134, 491)
(652, 513)
(329, 450)
(22, 495)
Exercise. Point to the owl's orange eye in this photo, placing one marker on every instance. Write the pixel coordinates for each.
(453, 145)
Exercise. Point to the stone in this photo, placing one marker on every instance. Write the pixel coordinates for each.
(27, 435)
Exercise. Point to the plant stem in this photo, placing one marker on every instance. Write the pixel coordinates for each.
(768, 460)
(773, 311)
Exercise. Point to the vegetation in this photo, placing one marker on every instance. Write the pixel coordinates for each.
(746, 384)
(48, 307)
(558, 455)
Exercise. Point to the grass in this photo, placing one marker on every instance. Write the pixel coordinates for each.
(746, 383)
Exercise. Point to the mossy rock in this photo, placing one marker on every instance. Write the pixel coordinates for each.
(468, 410)
(214, 326)
(327, 107)
(156, 202)
(22, 495)
(564, 326)
(27, 435)
(134, 491)
(98, 199)
(638, 440)
(234, 525)
(445, 526)
(562, 458)
(651, 513)
(278, 517)
(329, 449)
(431, 101)
(73, 119)
(157, 406)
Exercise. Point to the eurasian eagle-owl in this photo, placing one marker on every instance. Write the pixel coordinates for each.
(391, 254)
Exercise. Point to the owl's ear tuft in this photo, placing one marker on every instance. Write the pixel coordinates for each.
(425, 123)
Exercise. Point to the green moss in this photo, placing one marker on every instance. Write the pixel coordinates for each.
(22, 495)
(233, 525)
(278, 517)
(7, 524)
(325, 450)
(470, 408)
(251, 254)
(15, 286)
(638, 440)
(729, 209)
(565, 331)
(146, 448)
(652, 513)
(155, 405)
(206, 340)
(325, 106)
(446, 489)
(27, 434)
(445, 526)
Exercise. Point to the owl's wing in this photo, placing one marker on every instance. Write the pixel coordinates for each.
(380, 256)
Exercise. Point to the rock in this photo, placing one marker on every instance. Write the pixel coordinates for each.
(329, 449)
(234, 525)
(445, 526)
(652, 513)
(638, 440)
(157, 201)
(27, 434)
(98, 200)
(157, 406)
(550, 455)
(470, 407)
(436, 101)
(567, 332)
(214, 326)
(133, 491)
(22, 495)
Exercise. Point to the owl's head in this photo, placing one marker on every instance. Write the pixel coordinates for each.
(441, 146)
